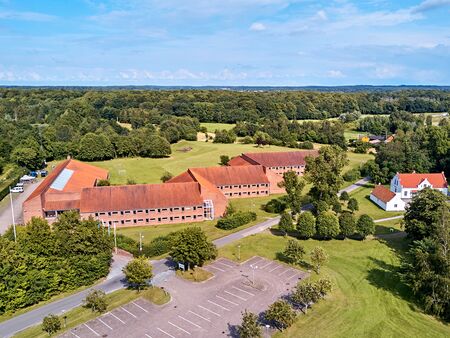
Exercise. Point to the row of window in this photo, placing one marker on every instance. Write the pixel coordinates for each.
(147, 211)
(155, 219)
(288, 168)
(246, 193)
(240, 186)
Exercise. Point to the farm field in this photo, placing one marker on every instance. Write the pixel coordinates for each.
(212, 127)
(368, 297)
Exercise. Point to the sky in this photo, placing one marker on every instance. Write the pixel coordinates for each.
(224, 42)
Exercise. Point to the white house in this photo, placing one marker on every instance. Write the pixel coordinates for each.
(403, 188)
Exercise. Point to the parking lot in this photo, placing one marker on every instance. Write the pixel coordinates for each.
(208, 309)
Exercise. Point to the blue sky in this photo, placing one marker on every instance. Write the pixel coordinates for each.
(224, 42)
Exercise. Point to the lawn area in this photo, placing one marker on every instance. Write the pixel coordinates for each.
(385, 227)
(241, 204)
(368, 297)
(195, 275)
(212, 127)
(356, 160)
(80, 314)
(366, 206)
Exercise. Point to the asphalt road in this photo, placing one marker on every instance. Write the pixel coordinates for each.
(161, 269)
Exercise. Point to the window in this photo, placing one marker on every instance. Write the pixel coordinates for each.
(405, 193)
(395, 205)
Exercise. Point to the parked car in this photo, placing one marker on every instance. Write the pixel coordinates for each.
(44, 173)
(33, 173)
(17, 189)
(20, 184)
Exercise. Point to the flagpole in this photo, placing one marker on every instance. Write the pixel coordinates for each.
(12, 214)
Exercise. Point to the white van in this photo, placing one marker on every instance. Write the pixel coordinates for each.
(17, 189)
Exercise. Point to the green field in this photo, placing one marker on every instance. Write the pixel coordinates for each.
(212, 127)
(241, 204)
(366, 206)
(368, 300)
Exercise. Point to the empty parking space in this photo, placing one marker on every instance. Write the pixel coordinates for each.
(199, 310)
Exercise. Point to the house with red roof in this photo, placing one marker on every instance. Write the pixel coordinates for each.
(403, 187)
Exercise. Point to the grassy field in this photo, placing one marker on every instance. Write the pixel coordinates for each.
(212, 127)
(80, 314)
(387, 227)
(195, 275)
(245, 204)
(366, 206)
(368, 299)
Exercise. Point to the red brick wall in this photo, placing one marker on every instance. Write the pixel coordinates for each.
(32, 208)
(245, 190)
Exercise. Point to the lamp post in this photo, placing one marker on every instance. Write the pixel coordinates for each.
(140, 242)
(115, 238)
(253, 273)
(12, 214)
(239, 252)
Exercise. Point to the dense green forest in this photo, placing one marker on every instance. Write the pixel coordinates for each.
(38, 124)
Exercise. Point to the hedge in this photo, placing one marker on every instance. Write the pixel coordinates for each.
(157, 247)
(236, 220)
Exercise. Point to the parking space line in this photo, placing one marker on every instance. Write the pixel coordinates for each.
(179, 328)
(101, 321)
(92, 330)
(206, 309)
(215, 267)
(75, 334)
(218, 305)
(262, 267)
(165, 332)
(295, 275)
(249, 293)
(285, 272)
(120, 320)
(227, 265)
(187, 320)
(196, 314)
(259, 260)
(148, 336)
(241, 298)
(277, 267)
(128, 312)
(139, 307)
(226, 300)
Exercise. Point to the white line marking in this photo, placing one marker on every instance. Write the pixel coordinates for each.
(249, 293)
(285, 272)
(277, 267)
(179, 328)
(92, 330)
(196, 314)
(241, 298)
(128, 312)
(214, 267)
(120, 320)
(187, 320)
(222, 307)
(204, 308)
(226, 300)
(295, 275)
(266, 265)
(165, 332)
(227, 265)
(147, 335)
(259, 260)
(139, 307)
(101, 321)
(75, 334)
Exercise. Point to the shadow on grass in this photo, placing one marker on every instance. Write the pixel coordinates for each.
(282, 257)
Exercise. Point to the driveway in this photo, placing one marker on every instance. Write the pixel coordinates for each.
(18, 199)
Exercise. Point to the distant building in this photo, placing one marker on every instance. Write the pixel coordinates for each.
(403, 187)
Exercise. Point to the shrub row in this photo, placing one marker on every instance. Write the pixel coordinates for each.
(157, 247)
(236, 220)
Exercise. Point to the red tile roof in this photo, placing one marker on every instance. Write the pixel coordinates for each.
(238, 161)
(232, 175)
(140, 196)
(413, 180)
(383, 193)
(183, 177)
(280, 159)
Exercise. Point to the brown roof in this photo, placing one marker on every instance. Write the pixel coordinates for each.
(140, 196)
(383, 193)
(232, 175)
(413, 180)
(237, 161)
(183, 177)
(280, 159)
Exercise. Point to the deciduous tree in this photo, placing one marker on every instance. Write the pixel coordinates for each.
(138, 272)
(306, 225)
(294, 251)
(365, 226)
(96, 301)
(281, 314)
(318, 258)
(327, 225)
(51, 324)
(249, 327)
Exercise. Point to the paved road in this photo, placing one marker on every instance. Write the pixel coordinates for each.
(161, 269)
(356, 185)
(18, 199)
(388, 219)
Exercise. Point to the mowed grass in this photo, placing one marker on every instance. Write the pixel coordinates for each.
(368, 297)
(212, 127)
(366, 206)
(115, 299)
(150, 232)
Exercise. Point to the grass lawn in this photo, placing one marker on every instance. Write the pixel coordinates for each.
(366, 206)
(80, 314)
(368, 298)
(195, 275)
(212, 127)
(385, 227)
(242, 204)
(356, 160)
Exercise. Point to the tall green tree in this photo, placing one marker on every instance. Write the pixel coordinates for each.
(294, 186)
(327, 225)
(138, 271)
(305, 294)
(286, 224)
(365, 226)
(249, 327)
(318, 258)
(95, 147)
(280, 314)
(352, 204)
(306, 225)
(51, 324)
(294, 251)
(96, 301)
(347, 224)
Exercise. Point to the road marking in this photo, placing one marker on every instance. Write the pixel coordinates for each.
(241, 298)
(295, 275)
(92, 330)
(128, 312)
(204, 308)
(165, 332)
(75, 334)
(222, 307)
(214, 267)
(249, 293)
(120, 320)
(196, 314)
(101, 321)
(187, 320)
(259, 260)
(147, 335)
(227, 265)
(139, 307)
(266, 265)
(285, 272)
(277, 267)
(179, 328)
(226, 300)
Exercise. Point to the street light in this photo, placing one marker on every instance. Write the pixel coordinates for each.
(253, 273)
(239, 252)
(140, 242)
(12, 214)
(115, 238)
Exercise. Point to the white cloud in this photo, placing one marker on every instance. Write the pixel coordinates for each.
(322, 15)
(257, 26)
(26, 16)
(429, 5)
(387, 71)
(335, 74)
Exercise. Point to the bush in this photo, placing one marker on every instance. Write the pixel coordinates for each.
(51, 324)
(352, 175)
(286, 224)
(236, 220)
(275, 206)
(166, 176)
(347, 223)
(365, 226)
(96, 301)
(306, 145)
(247, 140)
(224, 159)
(103, 183)
(344, 196)
(224, 136)
(327, 225)
(306, 225)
